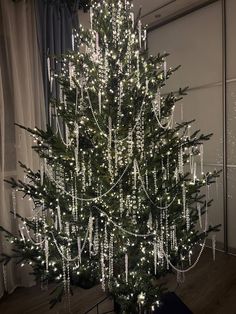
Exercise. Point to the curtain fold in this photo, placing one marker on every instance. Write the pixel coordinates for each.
(21, 101)
(55, 21)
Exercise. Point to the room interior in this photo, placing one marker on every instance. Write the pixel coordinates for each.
(198, 35)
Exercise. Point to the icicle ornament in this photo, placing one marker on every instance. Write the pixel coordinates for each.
(103, 268)
(199, 214)
(46, 249)
(13, 194)
(41, 172)
(96, 240)
(100, 101)
(126, 267)
(90, 228)
(91, 17)
(140, 33)
(155, 256)
(73, 41)
(49, 68)
(201, 158)
(132, 18)
(111, 244)
(165, 69)
(59, 217)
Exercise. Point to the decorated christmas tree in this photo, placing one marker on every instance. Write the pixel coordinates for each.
(121, 195)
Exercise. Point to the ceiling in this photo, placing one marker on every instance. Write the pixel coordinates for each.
(154, 12)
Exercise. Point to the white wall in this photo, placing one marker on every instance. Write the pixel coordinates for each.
(195, 42)
(231, 118)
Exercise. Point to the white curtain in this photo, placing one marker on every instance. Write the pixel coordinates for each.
(21, 101)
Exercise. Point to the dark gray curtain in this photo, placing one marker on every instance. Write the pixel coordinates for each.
(55, 19)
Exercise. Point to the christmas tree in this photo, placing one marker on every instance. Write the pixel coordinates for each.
(121, 191)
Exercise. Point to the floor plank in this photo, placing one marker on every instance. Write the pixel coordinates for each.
(210, 288)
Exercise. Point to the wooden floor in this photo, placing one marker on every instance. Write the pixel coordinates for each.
(210, 288)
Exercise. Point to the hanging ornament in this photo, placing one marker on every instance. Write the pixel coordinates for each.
(132, 19)
(91, 17)
(130, 143)
(201, 158)
(181, 161)
(109, 148)
(97, 44)
(187, 219)
(147, 85)
(184, 199)
(106, 245)
(55, 223)
(121, 198)
(76, 151)
(155, 180)
(168, 166)
(155, 256)
(49, 68)
(100, 101)
(73, 41)
(140, 33)
(67, 229)
(67, 135)
(190, 258)
(22, 233)
(165, 69)
(90, 228)
(46, 249)
(138, 69)
(173, 237)
(126, 267)
(111, 257)
(176, 174)
(116, 155)
(199, 214)
(157, 103)
(83, 170)
(79, 248)
(145, 39)
(194, 172)
(96, 240)
(146, 180)
(119, 113)
(64, 271)
(71, 74)
(103, 269)
(41, 172)
(135, 174)
(59, 217)
(68, 278)
(13, 195)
